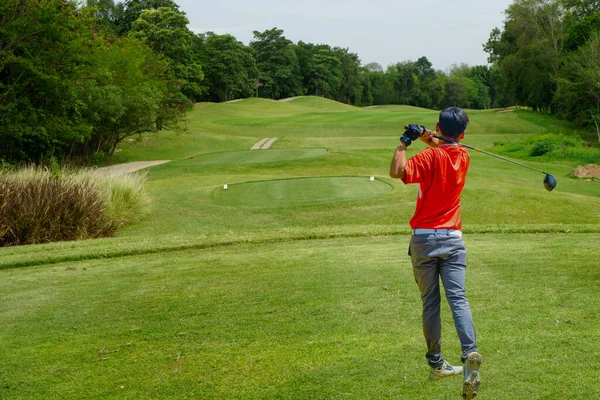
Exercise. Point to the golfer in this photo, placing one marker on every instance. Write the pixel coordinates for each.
(436, 248)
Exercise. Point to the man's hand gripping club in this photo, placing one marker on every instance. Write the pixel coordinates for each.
(412, 132)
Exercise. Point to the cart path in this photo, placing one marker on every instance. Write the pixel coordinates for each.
(289, 99)
(130, 167)
(264, 144)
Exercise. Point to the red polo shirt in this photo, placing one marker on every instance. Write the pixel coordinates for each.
(440, 173)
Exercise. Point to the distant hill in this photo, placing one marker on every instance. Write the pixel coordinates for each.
(318, 102)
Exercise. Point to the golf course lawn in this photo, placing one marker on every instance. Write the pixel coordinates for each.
(294, 282)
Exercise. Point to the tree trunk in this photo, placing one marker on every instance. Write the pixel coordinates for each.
(596, 123)
(114, 147)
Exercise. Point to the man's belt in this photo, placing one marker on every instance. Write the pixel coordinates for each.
(451, 232)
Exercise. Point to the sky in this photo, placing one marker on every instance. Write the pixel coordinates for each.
(382, 31)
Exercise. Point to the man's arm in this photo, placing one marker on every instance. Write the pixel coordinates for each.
(398, 162)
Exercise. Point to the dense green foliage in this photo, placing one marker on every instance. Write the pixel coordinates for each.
(551, 147)
(69, 88)
(76, 80)
(165, 32)
(548, 52)
(272, 66)
(229, 67)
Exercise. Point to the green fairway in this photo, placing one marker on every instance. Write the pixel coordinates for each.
(314, 319)
(294, 282)
(250, 157)
(301, 191)
(317, 122)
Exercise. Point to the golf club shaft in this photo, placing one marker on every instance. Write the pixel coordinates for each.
(487, 152)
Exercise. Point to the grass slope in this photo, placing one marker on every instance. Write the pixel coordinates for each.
(316, 122)
(307, 300)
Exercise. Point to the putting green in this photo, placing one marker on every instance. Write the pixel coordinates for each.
(251, 157)
(301, 191)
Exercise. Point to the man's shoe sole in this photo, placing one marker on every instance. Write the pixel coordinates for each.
(472, 381)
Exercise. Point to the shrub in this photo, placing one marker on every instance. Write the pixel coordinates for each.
(551, 147)
(40, 206)
(98, 158)
(124, 196)
(542, 147)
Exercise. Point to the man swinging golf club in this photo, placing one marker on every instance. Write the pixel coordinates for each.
(436, 248)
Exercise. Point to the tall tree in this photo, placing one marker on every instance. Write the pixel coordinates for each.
(579, 92)
(133, 9)
(459, 91)
(165, 31)
(304, 54)
(67, 88)
(528, 50)
(424, 69)
(577, 9)
(325, 74)
(277, 63)
(581, 30)
(403, 75)
(108, 12)
(350, 89)
(229, 67)
(123, 94)
(481, 77)
(378, 85)
(426, 92)
(42, 45)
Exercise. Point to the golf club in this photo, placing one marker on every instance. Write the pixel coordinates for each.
(549, 179)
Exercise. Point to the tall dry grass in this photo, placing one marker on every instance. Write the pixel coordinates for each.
(40, 206)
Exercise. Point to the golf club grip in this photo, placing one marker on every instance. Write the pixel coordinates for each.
(426, 130)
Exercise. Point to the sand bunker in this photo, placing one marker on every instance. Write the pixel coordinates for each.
(589, 171)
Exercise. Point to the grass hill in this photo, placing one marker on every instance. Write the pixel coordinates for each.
(318, 103)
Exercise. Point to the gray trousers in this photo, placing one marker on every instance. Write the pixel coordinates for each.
(444, 256)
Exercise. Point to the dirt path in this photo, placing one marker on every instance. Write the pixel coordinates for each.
(129, 167)
(259, 144)
(264, 144)
(289, 99)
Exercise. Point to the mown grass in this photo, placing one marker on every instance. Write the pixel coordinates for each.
(311, 301)
(315, 319)
(317, 122)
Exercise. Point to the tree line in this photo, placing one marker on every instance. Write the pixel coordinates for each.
(76, 80)
(548, 52)
(273, 66)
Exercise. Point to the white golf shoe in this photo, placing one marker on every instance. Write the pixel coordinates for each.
(446, 370)
(472, 379)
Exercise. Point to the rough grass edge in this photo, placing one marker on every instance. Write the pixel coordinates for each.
(159, 246)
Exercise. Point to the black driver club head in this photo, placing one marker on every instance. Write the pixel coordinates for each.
(549, 182)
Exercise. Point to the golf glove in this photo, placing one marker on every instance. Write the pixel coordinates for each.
(412, 132)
